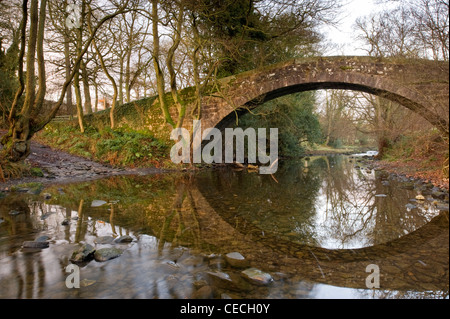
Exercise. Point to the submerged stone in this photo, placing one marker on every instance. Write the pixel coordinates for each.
(104, 254)
(42, 238)
(35, 244)
(235, 259)
(104, 240)
(228, 281)
(257, 276)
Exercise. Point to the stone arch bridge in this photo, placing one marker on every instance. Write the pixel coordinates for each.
(420, 85)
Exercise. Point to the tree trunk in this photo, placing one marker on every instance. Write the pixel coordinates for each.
(76, 78)
(80, 115)
(67, 66)
(30, 120)
(86, 88)
(160, 83)
(17, 141)
(121, 79)
(96, 96)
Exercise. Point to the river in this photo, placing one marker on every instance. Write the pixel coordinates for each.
(321, 227)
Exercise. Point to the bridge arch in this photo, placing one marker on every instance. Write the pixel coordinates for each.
(420, 85)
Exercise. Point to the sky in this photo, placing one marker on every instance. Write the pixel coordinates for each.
(344, 34)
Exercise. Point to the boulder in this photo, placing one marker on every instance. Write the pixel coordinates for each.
(84, 253)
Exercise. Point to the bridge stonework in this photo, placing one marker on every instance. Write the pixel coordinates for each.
(420, 85)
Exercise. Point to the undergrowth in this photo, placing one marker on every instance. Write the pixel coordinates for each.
(121, 147)
(425, 152)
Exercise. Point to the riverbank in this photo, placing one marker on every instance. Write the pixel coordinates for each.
(58, 166)
(54, 166)
(413, 170)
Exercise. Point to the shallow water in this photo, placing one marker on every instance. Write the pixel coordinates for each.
(315, 226)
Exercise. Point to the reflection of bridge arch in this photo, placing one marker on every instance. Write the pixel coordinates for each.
(400, 261)
(420, 85)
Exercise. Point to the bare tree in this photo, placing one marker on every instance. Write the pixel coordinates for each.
(25, 121)
(414, 28)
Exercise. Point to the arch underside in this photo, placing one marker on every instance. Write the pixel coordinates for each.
(314, 86)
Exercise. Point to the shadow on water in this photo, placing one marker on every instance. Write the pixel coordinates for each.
(314, 227)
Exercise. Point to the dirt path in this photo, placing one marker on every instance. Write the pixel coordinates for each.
(61, 167)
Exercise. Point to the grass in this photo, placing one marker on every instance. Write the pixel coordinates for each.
(120, 148)
(9, 170)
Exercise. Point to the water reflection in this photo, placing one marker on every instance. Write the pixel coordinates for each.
(322, 201)
(314, 227)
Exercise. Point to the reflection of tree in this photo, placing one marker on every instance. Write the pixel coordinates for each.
(350, 203)
(353, 212)
(285, 208)
(181, 225)
(27, 271)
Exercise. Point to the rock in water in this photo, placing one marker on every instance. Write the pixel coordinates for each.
(257, 276)
(228, 281)
(42, 238)
(124, 239)
(84, 253)
(104, 240)
(35, 244)
(104, 254)
(235, 259)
